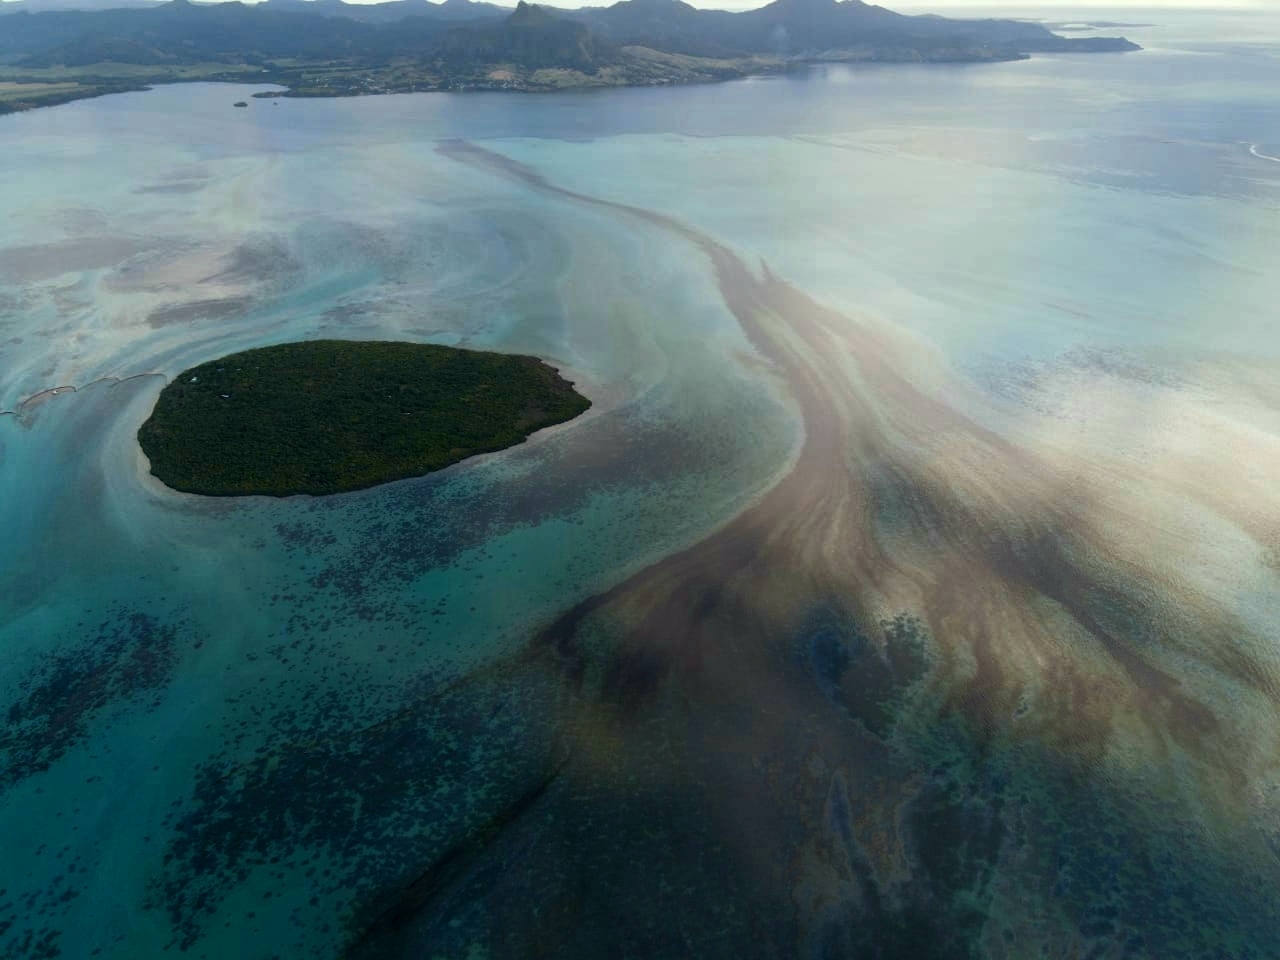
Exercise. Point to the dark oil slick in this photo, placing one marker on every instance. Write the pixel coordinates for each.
(801, 735)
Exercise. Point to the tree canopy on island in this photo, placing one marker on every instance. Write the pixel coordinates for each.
(328, 416)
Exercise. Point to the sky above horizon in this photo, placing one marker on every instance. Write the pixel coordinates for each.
(940, 6)
(1058, 5)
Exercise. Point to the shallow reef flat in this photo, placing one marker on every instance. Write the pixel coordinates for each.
(149, 633)
(885, 603)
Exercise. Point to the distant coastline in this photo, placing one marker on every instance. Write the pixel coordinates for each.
(328, 48)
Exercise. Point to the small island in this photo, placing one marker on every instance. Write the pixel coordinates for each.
(330, 416)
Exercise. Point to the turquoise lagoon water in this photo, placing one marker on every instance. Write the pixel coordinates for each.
(1023, 222)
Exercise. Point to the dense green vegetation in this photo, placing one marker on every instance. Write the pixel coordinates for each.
(327, 416)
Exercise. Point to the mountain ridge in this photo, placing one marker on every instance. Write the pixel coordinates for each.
(332, 48)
